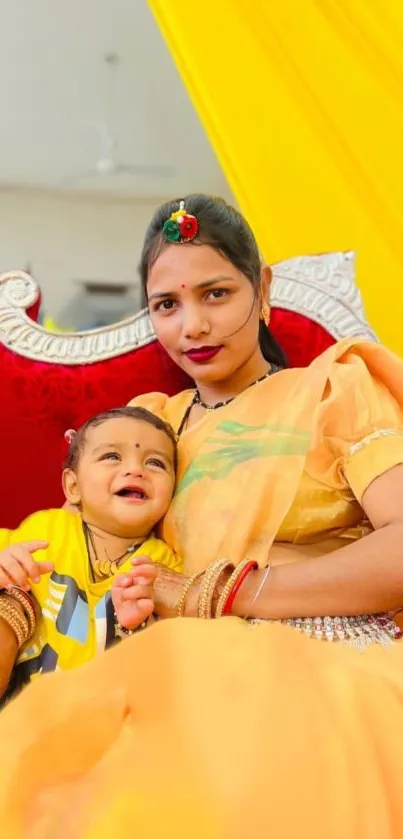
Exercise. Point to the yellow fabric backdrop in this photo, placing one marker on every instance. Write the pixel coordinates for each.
(303, 103)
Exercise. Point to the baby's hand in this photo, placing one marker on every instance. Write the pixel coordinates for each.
(17, 565)
(132, 593)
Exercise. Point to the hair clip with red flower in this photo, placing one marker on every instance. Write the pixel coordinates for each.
(181, 226)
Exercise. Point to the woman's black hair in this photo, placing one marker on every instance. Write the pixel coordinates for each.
(78, 438)
(225, 229)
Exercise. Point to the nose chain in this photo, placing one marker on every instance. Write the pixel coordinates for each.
(197, 400)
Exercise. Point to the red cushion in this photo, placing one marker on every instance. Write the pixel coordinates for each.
(42, 400)
(301, 338)
(33, 312)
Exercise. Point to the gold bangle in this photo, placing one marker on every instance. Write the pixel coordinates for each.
(214, 583)
(208, 586)
(16, 621)
(11, 605)
(204, 603)
(25, 601)
(228, 587)
(8, 607)
(180, 609)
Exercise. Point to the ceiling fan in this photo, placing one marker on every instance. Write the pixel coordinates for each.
(108, 162)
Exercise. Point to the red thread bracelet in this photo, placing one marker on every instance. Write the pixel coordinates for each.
(251, 566)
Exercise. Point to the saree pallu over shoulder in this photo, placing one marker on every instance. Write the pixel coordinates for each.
(240, 467)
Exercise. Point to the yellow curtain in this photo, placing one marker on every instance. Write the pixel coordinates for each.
(303, 104)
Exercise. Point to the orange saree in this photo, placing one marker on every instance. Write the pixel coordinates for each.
(223, 729)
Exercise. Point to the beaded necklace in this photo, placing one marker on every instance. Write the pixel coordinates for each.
(197, 400)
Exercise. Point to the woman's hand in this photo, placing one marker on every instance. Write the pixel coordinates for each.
(167, 592)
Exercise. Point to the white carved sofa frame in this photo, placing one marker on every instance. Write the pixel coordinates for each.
(322, 288)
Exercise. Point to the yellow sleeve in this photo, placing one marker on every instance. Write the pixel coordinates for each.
(34, 528)
(5, 537)
(161, 553)
(360, 421)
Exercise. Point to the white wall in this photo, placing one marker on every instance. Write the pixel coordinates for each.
(71, 237)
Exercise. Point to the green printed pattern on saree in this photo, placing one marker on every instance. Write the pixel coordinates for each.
(226, 453)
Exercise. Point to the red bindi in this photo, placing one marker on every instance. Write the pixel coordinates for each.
(183, 285)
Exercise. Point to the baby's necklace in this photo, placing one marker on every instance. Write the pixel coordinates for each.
(197, 400)
(104, 567)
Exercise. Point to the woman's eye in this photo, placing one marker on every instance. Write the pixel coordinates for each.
(217, 293)
(165, 306)
(155, 461)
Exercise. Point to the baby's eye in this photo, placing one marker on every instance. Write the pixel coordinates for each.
(155, 461)
(110, 456)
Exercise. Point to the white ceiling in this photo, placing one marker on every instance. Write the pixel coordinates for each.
(52, 99)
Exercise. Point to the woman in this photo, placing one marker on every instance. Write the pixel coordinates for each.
(288, 508)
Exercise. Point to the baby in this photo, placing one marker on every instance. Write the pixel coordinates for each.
(93, 577)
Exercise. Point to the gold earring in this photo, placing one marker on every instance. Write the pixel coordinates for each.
(265, 313)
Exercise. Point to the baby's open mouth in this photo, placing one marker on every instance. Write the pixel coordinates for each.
(131, 492)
